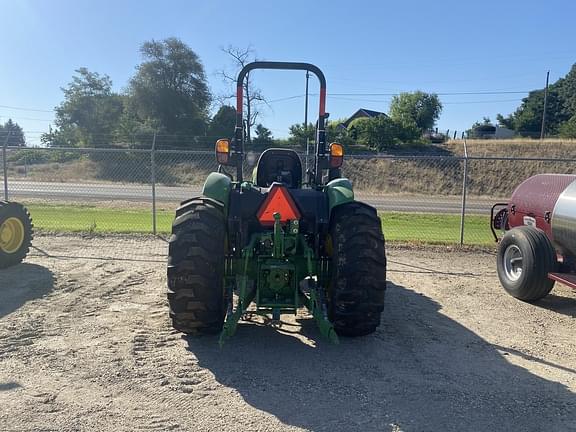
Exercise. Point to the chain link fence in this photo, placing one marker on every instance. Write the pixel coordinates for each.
(443, 199)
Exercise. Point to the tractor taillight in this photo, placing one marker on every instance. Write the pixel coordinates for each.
(280, 201)
(336, 155)
(223, 151)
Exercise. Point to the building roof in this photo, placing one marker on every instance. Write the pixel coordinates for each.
(363, 112)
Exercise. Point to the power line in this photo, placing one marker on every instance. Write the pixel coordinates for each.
(26, 118)
(439, 93)
(313, 94)
(26, 109)
(360, 97)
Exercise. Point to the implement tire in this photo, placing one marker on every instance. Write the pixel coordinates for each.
(525, 257)
(358, 270)
(196, 258)
(16, 232)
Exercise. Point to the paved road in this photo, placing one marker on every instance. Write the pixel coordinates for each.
(142, 193)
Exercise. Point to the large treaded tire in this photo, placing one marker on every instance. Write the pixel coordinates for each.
(533, 254)
(196, 258)
(358, 279)
(14, 245)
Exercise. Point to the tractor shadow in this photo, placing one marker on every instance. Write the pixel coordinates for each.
(420, 371)
(559, 304)
(22, 283)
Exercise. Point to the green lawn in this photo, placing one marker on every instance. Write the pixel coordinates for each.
(436, 228)
(411, 227)
(97, 219)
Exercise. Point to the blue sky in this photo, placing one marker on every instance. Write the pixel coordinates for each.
(365, 47)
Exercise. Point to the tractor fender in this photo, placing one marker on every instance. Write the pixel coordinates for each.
(217, 186)
(339, 192)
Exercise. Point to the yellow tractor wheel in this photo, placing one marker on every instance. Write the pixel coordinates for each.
(15, 233)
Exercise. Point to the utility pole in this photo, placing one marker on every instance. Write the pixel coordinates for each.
(306, 120)
(5, 166)
(542, 130)
(248, 111)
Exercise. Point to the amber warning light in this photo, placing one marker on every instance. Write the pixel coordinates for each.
(278, 201)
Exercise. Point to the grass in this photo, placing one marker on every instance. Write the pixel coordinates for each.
(68, 218)
(436, 228)
(402, 227)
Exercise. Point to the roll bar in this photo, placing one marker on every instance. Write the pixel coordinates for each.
(237, 149)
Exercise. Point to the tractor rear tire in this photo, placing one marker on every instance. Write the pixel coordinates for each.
(16, 233)
(358, 279)
(196, 258)
(525, 257)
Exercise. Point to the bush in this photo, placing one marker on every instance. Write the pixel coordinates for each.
(568, 129)
(383, 133)
(38, 156)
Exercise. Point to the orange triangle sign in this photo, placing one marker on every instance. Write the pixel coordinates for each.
(280, 201)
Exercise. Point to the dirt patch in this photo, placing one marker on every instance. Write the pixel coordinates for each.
(85, 344)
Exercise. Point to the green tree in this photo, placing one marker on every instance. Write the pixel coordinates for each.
(299, 133)
(560, 108)
(419, 108)
(336, 132)
(383, 133)
(89, 113)
(377, 133)
(568, 128)
(170, 92)
(507, 122)
(12, 134)
(480, 129)
(223, 123)
(263, 137)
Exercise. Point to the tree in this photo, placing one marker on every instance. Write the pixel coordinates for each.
(507, 122)
(568, 129)
(12, 134)
(481, 129)
(169, 90)
(263, 137)
(223, 123)
(299, 134)
(337, 132)
(560, 108)
(422, 109)
(253, 97)
(383, 132)
(377, 133)
(89, 113)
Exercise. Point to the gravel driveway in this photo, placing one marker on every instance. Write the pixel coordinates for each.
(85, 344)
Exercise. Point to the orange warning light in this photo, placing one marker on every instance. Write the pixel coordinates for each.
(280, 201)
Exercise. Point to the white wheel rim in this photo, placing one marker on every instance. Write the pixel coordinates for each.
(512, 262)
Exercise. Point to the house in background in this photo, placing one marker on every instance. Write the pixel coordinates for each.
(362, 113)
(490, 131)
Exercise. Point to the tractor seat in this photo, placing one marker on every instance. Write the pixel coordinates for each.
(279, 166)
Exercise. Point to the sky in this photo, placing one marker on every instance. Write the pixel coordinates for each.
(496, 50)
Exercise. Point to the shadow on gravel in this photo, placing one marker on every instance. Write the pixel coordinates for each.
(560, 304)
(22, 283)
(420, 371)
(9, 386)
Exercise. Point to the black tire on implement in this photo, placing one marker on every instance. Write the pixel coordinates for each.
(358, 280)
(525, 257)
(16, 233)
(196, 258)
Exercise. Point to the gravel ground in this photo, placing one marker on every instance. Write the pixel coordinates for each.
(85, 344)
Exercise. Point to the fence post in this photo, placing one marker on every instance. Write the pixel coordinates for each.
(464, 190)
(5, 165)
(153, 179)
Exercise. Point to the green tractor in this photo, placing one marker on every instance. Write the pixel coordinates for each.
(281, 240)
(15, 233)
